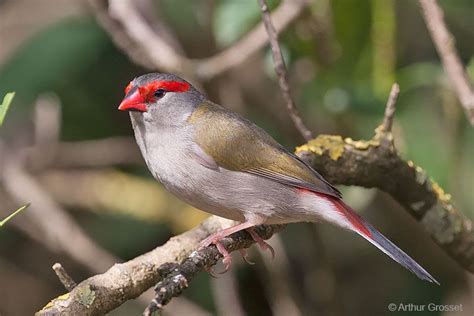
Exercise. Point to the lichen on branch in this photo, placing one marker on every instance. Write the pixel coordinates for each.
(376, 163)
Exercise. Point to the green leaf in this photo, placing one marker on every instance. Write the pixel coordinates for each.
(5, 105)
(9, 217)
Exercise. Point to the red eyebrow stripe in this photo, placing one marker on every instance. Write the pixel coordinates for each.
(173, 86)
(128, 88)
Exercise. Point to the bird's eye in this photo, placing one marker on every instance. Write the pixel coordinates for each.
(159, 93)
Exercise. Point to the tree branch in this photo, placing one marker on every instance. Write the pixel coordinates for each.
(445, 45)
(177, 276)
(372, 163)
(137, 39)
(96, 153)
(377, 164)
(175, 260)
(281, 72)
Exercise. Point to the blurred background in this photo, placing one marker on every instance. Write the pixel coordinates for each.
(67, 149)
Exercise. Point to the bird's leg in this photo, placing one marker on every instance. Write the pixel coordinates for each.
(217, 237)
(262, 243)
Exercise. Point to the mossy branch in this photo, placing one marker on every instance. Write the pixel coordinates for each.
(375, 163)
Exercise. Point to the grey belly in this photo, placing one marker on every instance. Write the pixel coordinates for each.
(234, 195)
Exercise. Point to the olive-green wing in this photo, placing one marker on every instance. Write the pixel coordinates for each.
(237, 144)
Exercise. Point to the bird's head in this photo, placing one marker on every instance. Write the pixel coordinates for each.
(159, 96)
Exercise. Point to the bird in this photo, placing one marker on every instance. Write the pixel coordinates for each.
(220, 162)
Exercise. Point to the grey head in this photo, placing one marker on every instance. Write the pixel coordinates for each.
(161, 99)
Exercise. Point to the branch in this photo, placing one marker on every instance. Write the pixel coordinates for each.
(175, 260)
(48, 222)
(377, 164)
(64, 277)
(87, 153)
(445, 45)
(137, 39)
(390, 109)
(281, 72)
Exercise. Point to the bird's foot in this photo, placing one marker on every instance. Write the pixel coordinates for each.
(215, 239)
(261, 243)
(226, 257)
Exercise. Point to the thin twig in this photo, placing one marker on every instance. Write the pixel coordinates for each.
(55, 226)
(64, 277)
(281, 72)
(95, 153)
(445, 45)
(164, 57)
(138, 40)
(390, 108)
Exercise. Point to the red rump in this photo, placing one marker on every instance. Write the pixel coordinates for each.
(356, 220)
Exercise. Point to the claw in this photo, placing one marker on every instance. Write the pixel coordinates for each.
(211, 272)
(261, 243)
(245, 255)
(227, 258)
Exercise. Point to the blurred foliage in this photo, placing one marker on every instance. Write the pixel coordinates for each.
(234, 18)
(341, 67)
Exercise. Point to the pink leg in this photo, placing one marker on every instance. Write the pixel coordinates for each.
(262, 243)
(217, 237)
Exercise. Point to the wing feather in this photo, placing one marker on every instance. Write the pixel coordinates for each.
(235, 143)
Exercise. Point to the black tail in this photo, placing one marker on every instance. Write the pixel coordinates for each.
(380, 241)
(390, 249)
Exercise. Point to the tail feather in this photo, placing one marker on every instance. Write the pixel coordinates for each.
(389, 248)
